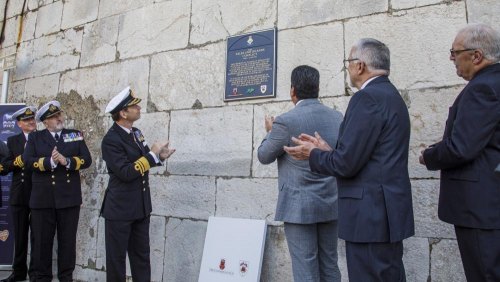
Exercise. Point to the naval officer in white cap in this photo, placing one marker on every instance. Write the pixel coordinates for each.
(56, 155)
(127, 202)
(20, 191)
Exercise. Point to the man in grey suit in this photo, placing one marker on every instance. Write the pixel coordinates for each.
(307, 201)
(370, 162)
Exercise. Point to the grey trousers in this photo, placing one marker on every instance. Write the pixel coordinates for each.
(313, 249)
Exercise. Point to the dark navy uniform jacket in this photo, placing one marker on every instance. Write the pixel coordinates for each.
(20, 189)
(128, 162)
(371, 166)
(469, 153)
(59, 187)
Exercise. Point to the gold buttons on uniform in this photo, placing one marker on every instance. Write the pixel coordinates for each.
(53, 183)
(67, 175)
(22, 180)
(68, 181)
(53, 176)
(22, 173)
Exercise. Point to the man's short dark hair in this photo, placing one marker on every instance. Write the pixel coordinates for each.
(116, 116)
(305, 80)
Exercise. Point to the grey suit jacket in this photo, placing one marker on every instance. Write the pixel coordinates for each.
(304, 197)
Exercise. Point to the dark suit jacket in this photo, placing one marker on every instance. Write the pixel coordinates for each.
(304, 197)
(371, 166)
(20, 189)
(469, 153)
(127, 196)
(59, 187)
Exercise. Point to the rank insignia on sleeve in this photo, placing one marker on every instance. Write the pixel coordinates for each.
(142, 165)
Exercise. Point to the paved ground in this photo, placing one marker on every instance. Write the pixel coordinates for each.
(5, 274)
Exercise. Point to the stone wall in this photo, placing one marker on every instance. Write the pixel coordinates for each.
(172, 52)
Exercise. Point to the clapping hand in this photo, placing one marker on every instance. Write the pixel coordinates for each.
(305, 144)
(166, 152)
(58, 157)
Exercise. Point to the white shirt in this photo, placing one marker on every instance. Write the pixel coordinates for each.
(368, 81)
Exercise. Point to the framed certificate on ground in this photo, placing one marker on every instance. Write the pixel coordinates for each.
(251, 66)
(233, 250)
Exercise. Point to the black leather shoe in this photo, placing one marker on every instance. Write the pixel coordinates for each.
(13, 277)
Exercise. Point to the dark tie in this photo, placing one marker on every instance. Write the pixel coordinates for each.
(56, 136)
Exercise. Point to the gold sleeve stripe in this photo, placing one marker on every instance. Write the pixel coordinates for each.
(39, 164)
(19, 161)
(79, 162)
(1, 168)
(142, 165)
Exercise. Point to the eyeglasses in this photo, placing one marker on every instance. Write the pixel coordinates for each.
(454, 53)
(350, 60)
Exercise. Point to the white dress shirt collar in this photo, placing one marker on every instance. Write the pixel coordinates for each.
(368, 81)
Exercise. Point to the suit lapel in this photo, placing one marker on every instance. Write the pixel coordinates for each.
(125, 137)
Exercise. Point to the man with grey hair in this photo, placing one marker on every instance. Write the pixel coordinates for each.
(469, 152)
(370, 162)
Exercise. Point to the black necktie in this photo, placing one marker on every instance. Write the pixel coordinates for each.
(56, 136)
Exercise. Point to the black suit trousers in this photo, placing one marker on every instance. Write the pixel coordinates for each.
(21, 222)
(132, 237)
(44, 223)
(480, 252)
(381, 262)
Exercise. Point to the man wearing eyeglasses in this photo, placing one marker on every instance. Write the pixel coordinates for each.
(469, 153)
(370, 162)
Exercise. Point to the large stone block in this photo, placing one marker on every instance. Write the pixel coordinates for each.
(29, 25)
(93, 195)
(100, 263)
(419, 50)
(425, 207)
(303, 12)
(183, 249)
(155, 28)
(260, 111)
(428, 109)
(14, 8)
(247, 198)
(215, 20)
(446, 263)
(109, 8)
(10, 32)
(42, 86)
(78, 12)
(157, 245)
(408, 4)
(49, 54)
(108, 80)
(276, 265)
(338, 103)
(183, 196)
(484, 11)
(416, 255)
(154, 127)
(99, 41)
(182, 79)
(214, 141)
(86, 237)
(88, 274)
(16, 93)
(48, 19)
(321, 47)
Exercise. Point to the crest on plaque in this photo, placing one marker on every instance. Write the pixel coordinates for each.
(263, 88)
(243, 267)
(222, 264)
